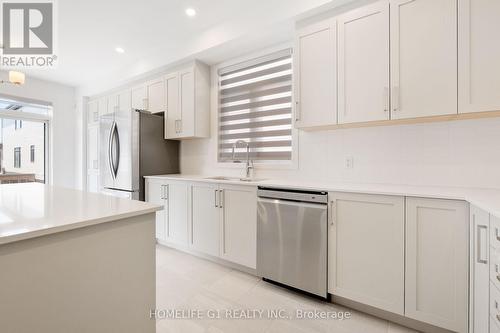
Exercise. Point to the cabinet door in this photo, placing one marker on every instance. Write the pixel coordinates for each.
(316, 75)
(205, 228)
(239, 224)
(93, 147)
(155, 193)
(103, 105)
(93, 158)
(173, 114)
(423, 58)
(479, 51)
(113, 103)
(366, 249)
(480, 223)
(186, 123)
(155, 90)
(138, 95)
(363, 64)
(93, 112)
(436, 285)
(177, 208)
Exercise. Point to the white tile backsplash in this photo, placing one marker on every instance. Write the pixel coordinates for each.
(455, 153)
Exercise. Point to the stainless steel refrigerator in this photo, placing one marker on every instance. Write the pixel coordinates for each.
(132, 146)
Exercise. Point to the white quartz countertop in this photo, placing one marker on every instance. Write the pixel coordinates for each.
(31, 209)
(486, 199)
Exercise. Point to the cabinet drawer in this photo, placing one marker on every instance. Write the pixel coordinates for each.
(495, 232)
(495, 304)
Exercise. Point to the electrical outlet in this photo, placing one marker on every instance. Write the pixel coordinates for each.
(349, 162)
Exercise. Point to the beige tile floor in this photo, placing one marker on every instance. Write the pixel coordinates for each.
(185, 282)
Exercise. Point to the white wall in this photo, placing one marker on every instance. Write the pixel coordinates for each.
(63, 123)
(458, 153)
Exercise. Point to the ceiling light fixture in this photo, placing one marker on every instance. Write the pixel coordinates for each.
(190, 12)
(16, 78)
(119, 50)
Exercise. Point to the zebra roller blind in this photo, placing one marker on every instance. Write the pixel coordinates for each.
(255, 105)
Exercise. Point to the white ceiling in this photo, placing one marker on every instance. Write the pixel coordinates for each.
(155, 33)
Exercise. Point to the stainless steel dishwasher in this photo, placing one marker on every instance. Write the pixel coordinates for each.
(292, 238)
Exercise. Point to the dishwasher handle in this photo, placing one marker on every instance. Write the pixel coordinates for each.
(292, 203)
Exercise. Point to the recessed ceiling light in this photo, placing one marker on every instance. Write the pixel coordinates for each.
(119, 50)
(190, 12)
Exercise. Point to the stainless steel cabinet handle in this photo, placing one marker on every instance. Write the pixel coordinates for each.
(332, 205)
(166, 195)
(216, 192)
(497, 234)
(479, 241)
(297, 111)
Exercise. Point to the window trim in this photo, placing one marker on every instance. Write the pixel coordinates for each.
(274, 165)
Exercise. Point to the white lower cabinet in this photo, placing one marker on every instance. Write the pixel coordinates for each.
(217, 220)
(224, 222)
(436, 279)
(239, 224)
(172, 220)
(155, 193)
(205, 228)
(366, 249)
(480, 275)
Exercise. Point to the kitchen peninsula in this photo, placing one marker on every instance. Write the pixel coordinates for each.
(73, 261)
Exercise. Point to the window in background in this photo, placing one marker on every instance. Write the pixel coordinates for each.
(18, 124)
(23, 128)
(32, 153)
(255, 105)
(17, 157)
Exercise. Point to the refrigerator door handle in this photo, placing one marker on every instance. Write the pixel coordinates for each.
(110, 157)
(115, 151)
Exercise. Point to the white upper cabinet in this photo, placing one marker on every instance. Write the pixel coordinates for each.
(479, 54)
(103, 106)
(173, 111)
(155, 95)
(113, 102)
(315, 82)
(423, 58)
(188, 102)
(138, 95)
(366, 249)
(436, 279)
(363, 64)
(239, 224)
(93, 112)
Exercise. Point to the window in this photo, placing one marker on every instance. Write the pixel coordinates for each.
(255, 105)
(18, 124)
(33, 117)
(17, 157)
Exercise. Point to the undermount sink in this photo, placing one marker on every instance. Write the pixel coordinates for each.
(234, 179)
